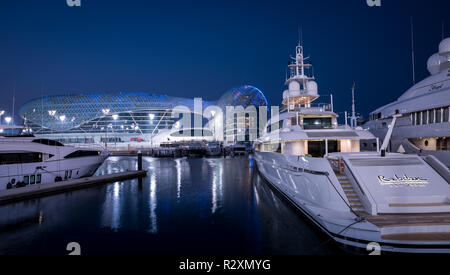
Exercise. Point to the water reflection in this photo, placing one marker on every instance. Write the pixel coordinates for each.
(111, 207)
(217, 184)
(178, 166)
(183, 206)
(153, 203)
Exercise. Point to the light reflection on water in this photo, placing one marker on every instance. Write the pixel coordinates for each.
(183, 206)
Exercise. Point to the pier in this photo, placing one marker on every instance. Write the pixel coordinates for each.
(35, 191)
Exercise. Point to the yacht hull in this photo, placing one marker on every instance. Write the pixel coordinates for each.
(312, 188)
(49, 171)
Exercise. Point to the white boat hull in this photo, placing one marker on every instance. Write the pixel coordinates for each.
(313, 188)
(50, 170)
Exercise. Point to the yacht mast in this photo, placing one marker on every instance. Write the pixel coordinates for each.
(412, 53)
(353, 117)
(302, 89)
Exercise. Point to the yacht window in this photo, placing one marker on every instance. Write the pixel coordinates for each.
(431, 116)
(26, 180)
(317, 123)
(13, 158)
(272, 147)
(424, 117)
(413, 119)
(275, 126)
(443, 144)
(48, 142)
(32, 177)
(445, 115)
(38, 178)
(81, 153)
(293, 121)
(438, 115)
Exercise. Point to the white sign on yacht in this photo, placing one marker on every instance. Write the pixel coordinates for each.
(397, 200)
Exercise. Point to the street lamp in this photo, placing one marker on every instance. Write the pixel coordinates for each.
(62, 118)
(8, 119)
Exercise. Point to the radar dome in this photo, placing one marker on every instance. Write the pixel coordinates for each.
(312, 88)
(434, 64)
(444, 47)
(294, 86)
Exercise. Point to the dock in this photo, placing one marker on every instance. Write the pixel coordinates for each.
(41, 190)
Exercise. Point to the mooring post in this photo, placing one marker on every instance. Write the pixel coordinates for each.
(139, 160)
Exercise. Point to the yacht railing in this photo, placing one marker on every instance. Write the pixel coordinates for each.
(314, 107)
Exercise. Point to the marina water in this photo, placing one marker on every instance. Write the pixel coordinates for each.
(184, 206)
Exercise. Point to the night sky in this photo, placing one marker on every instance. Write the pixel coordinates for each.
(204, 48)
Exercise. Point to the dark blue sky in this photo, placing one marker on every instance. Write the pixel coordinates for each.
(203, 48)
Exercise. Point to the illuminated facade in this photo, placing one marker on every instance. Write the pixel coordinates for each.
(118, 117)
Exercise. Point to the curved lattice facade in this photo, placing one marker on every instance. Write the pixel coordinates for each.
(127, 113)
(120, 112)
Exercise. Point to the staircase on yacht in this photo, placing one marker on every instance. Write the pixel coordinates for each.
(400, 201)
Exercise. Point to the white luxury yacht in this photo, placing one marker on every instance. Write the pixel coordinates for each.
(424, 127)
(27, 160)
(398, 202)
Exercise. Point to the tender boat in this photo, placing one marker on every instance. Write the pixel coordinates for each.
(213, 149)
(391, 201)
(424, 127)
(27, 160)
(238, 150)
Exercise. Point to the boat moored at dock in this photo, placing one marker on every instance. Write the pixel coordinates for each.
(424, 127)
(29, 160)
(399, 202)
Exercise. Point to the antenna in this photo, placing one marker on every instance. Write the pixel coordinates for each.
(443, 25)
(42, 106)
(353, 117)
(412, 52)
(13, 101)
(300, 36)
